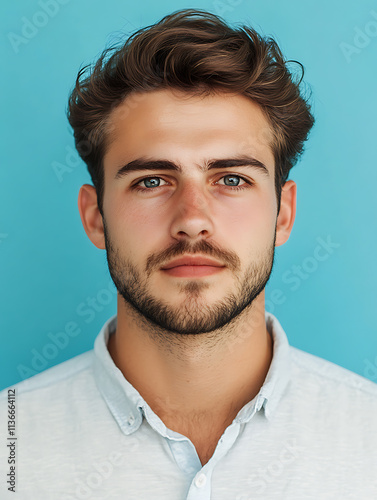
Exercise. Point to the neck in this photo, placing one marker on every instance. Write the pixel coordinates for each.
(206, 376)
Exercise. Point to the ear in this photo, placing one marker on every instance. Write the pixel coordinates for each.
(91, 217)
(287, 213)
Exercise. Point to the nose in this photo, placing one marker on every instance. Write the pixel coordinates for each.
(191, 213)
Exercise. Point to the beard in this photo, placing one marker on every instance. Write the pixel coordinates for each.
(193, 316)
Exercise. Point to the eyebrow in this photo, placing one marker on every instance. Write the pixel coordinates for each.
(141, 164)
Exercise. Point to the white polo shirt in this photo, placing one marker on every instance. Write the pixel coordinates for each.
(83, 431)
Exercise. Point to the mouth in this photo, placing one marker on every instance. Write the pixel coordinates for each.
(187, 271)
(192, 267)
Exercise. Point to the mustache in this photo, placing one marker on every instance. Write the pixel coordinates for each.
(184, 247)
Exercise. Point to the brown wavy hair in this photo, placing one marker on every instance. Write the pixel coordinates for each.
(197, 52)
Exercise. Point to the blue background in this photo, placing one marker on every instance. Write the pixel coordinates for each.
(49, 269)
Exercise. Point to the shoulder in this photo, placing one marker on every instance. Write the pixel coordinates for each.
(54, 378)
(312, 371)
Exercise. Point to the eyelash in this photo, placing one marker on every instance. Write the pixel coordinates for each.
(248, 184)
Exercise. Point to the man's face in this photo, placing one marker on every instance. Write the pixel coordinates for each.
(157, 215)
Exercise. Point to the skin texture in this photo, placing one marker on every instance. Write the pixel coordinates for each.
(195, 347)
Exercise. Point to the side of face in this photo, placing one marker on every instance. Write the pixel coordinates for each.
(150, 212)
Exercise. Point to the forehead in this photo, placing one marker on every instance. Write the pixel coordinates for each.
(172, 124)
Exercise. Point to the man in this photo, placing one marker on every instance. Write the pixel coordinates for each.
(192, 391)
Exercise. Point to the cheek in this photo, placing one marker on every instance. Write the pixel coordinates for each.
(248, 226)
(248, 222)
(138, 225)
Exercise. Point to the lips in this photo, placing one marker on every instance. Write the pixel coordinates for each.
(192, 261)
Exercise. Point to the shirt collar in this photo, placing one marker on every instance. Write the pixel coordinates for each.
(128, 407)
(121, 397)
(277, 377)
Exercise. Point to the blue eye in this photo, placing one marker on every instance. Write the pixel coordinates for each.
(233, 180)
(151, 182)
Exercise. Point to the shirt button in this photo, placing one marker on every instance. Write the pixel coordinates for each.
(131, 419)
(200, 480)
